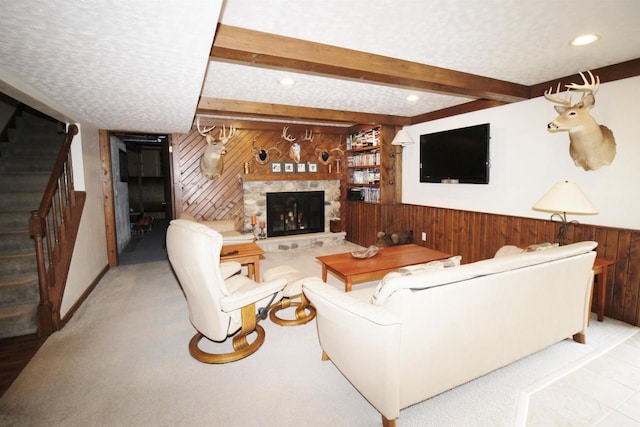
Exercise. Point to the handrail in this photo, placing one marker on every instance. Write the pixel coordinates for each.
(48, 227)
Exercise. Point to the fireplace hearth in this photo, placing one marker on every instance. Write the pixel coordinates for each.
(291, 213)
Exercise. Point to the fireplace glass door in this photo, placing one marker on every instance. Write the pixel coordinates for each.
(291, 213)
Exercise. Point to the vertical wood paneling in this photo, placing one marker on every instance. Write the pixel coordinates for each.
(476, 236)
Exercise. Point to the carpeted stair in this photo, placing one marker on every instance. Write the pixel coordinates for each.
(26, 160)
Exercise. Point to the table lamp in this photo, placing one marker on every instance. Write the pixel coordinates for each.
(563, 198)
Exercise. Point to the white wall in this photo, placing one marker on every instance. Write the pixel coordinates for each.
(90, 253)
(120, 194)
(526, 160)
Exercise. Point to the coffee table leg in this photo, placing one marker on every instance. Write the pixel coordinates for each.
(347, 284)
(324, 273)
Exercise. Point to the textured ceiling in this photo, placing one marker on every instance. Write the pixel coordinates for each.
(140, 66)
(119, 64)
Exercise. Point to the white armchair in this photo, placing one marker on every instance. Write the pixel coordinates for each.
(221, 302)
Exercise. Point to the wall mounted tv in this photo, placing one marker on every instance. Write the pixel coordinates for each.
(456, 155)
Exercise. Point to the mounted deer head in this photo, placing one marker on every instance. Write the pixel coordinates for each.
(211, 161)
(591, 145)
(262, 154)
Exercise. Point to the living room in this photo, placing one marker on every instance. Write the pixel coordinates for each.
(471, 220)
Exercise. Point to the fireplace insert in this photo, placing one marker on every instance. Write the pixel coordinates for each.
(290, 213)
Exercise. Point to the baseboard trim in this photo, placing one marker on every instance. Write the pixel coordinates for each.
(83, 297)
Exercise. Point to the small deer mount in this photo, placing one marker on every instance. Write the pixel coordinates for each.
(325, 156)
(211, 161)
(591, 145)
(261, 154)
(294, 150)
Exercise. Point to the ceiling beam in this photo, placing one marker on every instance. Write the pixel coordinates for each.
(265, 49)
(216, 106)
(609, 73)
(479, 104)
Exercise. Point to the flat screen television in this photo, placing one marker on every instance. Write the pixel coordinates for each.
(456, 155)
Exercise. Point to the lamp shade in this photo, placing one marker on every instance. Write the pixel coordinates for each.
(402, 138)
(565, 197)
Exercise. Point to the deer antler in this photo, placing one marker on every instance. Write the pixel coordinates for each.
(285, 136)
(223, 137)
(308, 135)
(338, 149)
(557, 99)
(205, 131)
(587, 86)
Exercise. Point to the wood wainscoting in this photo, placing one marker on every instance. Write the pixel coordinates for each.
(476, 236)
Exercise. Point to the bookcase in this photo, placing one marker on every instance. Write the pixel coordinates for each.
(372, 165)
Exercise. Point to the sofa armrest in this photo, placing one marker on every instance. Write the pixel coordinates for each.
(347, 303)
(229, 268)
(363, 341)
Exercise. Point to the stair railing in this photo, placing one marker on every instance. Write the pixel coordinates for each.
(48, 227)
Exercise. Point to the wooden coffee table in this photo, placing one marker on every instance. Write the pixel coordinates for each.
(247, 254)
(353, 270)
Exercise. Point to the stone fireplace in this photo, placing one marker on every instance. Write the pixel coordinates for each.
(297, 212)
(255, 203)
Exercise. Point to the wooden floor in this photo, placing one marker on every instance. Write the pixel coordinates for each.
(15, 353)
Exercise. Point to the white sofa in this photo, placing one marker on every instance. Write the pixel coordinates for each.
(226, 228)
(435, 329)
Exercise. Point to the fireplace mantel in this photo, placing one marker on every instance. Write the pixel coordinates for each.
(291, 176)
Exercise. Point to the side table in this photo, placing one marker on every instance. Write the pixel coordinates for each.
(246, 254)
(600, 267)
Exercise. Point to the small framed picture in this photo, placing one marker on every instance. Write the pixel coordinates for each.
(301, 167)
(276, 167)
(313, 167)
(288, 167)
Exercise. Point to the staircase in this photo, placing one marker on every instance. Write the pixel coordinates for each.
(26, 161)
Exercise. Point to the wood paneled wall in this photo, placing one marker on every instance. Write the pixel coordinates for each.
(222, 198)
(476, 236)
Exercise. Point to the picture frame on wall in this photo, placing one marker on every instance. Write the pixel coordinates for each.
(276, 167)
(313, 167)
(288, 167)
(301, 167)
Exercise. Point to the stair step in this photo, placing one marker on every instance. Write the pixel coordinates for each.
(25, 181)
(23, 164)
(23, 201)
(18, 320)
(18, 241)
(24, 145)
(12, 265)
(19, 290)
(14, 221)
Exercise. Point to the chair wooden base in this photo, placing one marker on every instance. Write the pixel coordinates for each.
(304, 312)
(241, 352)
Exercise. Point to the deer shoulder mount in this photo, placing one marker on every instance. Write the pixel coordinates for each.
(591, 145)
(211, 162)
(261, 154)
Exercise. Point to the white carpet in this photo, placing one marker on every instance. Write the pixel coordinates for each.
(123, 360)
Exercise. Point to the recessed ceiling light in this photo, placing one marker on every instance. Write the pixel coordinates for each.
(412, 98)
(287, 81)
(584, 39)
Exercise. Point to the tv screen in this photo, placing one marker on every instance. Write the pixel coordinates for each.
(456, 156)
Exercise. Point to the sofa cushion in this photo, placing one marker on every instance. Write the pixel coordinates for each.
(508, 250)
(380, 296)
(541, 246)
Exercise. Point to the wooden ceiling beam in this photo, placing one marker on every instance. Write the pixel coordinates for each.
(265, 49)
(216, 106)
